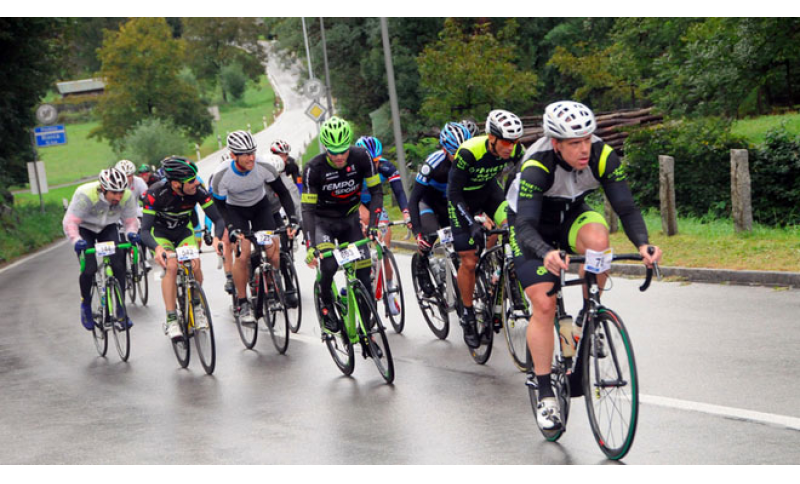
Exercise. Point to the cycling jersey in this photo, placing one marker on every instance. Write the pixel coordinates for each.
(329, 192)
(387, 172)
(430, 190)
(168, 212)
(90, 210)
(546, 190)
(474, 168)
(137, 190)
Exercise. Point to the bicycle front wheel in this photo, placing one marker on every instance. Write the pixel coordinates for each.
(275, 314)
(117, 314)
(481, 302)
(295, 313)
(610, 384)
(180, 346)
(142, 282)
(248, 334)
(99, 332)
(338, 343)
(393, 298)
(131, 275)
(370, 329)
(515, 322)
(434, 308)
(203, 330)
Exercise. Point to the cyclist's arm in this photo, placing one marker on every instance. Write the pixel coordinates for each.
(212, 212)
(285, 197)
(529, 213)
(130, 215)
(396, 182)
(148, 219)
(309, 203)
(621, 199)
(456, 182)
(413, 207)
(375, 190)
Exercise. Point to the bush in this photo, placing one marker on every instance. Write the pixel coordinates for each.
(701, 149)
(774, 175)
(152, 140)
(233, 81)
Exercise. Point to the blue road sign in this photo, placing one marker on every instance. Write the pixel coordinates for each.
(50, 135)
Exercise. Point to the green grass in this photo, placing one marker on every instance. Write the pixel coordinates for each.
(29, 229)
(755, 129)
(55, 195)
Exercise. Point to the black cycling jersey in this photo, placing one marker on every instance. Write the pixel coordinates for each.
(167, 210)
(293, 170)
(430, 188)
(546, 189)
(329, 192)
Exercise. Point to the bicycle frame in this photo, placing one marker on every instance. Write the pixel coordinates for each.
(101, 276)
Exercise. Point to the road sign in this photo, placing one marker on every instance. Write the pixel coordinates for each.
(50, 135)
(46, 114)
(314, 88)
(37, 177)
(315, 111)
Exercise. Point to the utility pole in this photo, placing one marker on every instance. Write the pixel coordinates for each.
(398, 134)
(327, 72)
(310, 72)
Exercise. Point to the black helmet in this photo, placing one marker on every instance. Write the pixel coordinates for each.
(179, 169)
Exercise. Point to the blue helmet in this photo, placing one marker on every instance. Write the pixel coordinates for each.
(452, 135)
(372, 145)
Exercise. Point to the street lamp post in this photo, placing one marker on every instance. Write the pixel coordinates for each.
(398, 134)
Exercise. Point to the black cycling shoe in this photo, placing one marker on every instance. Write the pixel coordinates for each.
(471, 338)
(330, 320)
(423, 277)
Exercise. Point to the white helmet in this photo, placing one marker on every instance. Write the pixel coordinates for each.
(113, 180)
(504, 124)
(126, 166)
(277, 162)
(241, 142)
(568, 119)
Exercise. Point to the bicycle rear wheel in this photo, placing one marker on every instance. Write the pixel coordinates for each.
(142, 282)
(484, 326)
(131, 274)
(339, 345)
(203, 336)
(118, 316)
(610, 384)
(180, 346)
(99, 332)
(295, 314)
(248, 334)
(515, 324)
(373, 333)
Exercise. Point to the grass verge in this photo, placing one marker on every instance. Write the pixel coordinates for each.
(29, 229)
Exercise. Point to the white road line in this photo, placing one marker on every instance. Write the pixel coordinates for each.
(736, 413)
(32, 256)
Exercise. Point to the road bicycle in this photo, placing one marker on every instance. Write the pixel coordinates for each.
(136, 281)
(267, 296)
(108, 305)
(194, 315)
(594, 359)
(288, 270)
(349, 306)
(390, 296)
(441, 267)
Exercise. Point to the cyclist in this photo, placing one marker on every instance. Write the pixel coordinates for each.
(136, 185)
(292, 170)
(93, 216)
(168, 208)
(387, 172)
(145, 172)
(428, 201)
(547, 211)
(241, 185)
(474, 186)
(227, 251)
(331, 199)
(471, 126)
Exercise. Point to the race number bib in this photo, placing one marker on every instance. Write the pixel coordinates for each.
(445, 235)
(105, 248)
(264, 237)
(599, 262)
(345, 256)
(187, 252)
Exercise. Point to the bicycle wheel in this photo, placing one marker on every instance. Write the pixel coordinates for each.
(248, 334)
(131, 274)
(434, 308)
(118, 316)
(515, 322)
(339, 345)
(560, 385)
(372, 333)
(395, 295)
(180, 346)
(610, 384)
(483, 306)
(203, 334)
(142, 282)
(274, 310)
(295, 314)
(99, 332)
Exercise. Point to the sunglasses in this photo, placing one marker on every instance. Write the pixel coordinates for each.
(507, 143)
(335, 153)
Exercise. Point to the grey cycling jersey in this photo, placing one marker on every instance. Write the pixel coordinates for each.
(137, 190)
(243, 189)
(89, 209)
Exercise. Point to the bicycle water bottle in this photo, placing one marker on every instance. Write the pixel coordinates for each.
(565, 336)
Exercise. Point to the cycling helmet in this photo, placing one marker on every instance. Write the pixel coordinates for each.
(277, 162)
(568, 119)
(145, 168)
(113, 180)
(178, 169)
(336, 135)
(126, 166)
(280, 147)
(471, 127)
(372, 145)
(241, 142)
(452, 135)
(504, 124)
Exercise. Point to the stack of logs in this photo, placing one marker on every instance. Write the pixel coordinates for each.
(608, 126)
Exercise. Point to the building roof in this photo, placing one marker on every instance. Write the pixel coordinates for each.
(83, 85)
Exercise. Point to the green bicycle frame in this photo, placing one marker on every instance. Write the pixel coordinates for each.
(107, 265)
(349, 316)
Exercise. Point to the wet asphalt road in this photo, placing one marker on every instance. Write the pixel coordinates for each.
(703, 346)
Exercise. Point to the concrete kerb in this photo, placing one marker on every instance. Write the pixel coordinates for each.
(714, 276)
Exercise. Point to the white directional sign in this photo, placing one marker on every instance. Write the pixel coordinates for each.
(37, 177)
(315, 111)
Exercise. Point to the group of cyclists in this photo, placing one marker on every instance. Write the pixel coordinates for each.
(538, 194)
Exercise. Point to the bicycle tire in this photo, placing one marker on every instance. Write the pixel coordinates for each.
(338, 344)
(398, 321)
(204, 341)
(248, 335)
(373, 333)
(99, 333)
(440, 326)
(143, 282)
(122, 335)
(484, 325)
(295, 314)
(275, 314)
(515, 329)
(130, 278)
(610, 384)
(560, 385)
(180, 346)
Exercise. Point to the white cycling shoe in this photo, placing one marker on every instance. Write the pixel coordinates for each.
(548, 415)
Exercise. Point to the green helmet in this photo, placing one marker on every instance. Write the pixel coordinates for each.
(336, 135)
(145, 168)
